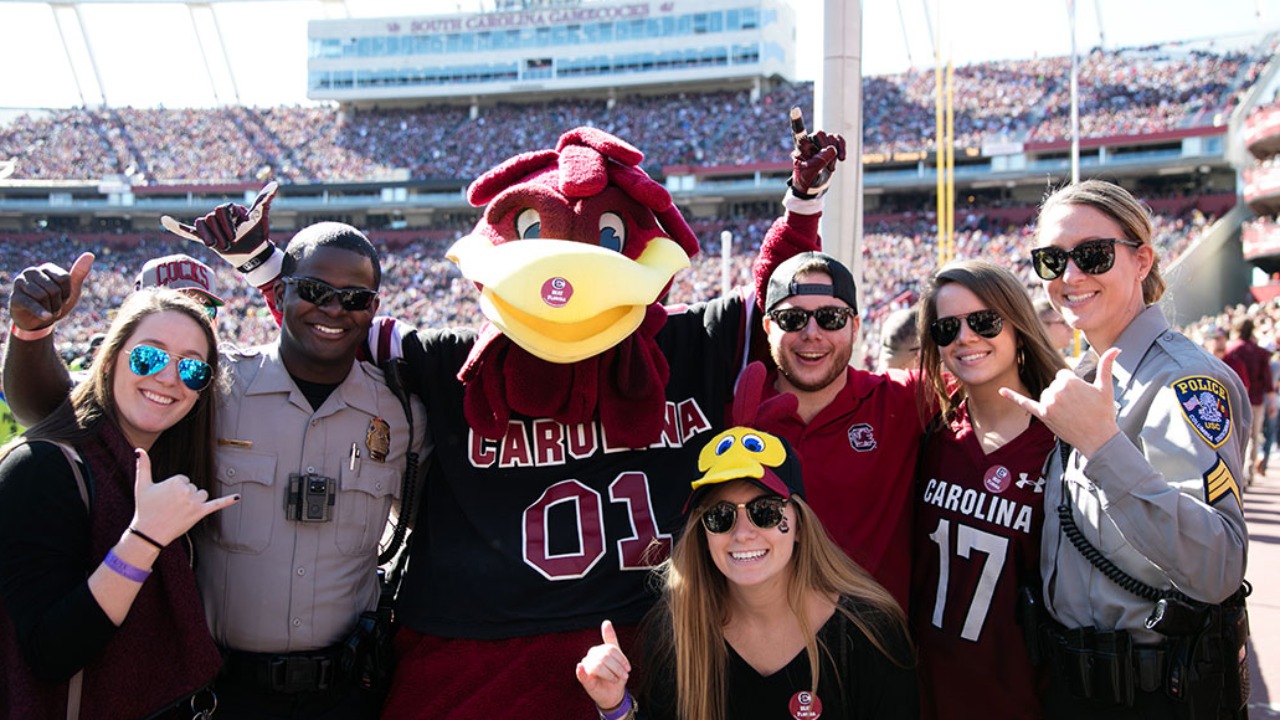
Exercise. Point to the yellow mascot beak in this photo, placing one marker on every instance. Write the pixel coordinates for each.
(564, 301)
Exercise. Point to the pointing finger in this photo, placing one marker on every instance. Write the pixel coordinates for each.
(798, 130)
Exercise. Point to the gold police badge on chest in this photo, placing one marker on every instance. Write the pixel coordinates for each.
(378, 439)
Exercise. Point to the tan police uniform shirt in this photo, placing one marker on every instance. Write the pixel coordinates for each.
(273, 584)
(1161, 498)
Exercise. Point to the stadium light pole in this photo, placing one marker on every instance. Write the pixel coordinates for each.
(66, 50)
(726, 251)
(1075, 96)
(204, 53)
(837, 100)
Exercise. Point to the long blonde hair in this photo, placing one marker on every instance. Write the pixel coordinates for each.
(688, 621)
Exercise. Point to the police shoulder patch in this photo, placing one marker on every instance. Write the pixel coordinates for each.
(1206, 406)
(1219, 483)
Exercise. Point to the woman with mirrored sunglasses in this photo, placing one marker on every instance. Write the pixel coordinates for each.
(99, 599)
(761, 615)
(1152, 433)
(978, 494)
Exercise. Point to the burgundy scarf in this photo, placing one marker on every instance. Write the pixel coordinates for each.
(163, 651)
(625, 386)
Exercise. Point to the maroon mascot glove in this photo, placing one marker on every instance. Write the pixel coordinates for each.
(814, 159)
(239, 235)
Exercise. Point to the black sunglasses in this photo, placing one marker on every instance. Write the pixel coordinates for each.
(319, 293)
(145, 360)
(1093, 257)
(986, 323)
(794, 319)
(765, 512)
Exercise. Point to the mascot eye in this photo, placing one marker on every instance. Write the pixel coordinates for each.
(528, 224)
(723, 446)
(613, 232)
(754, 443)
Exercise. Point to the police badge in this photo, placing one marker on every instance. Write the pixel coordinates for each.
(1206, 406)
(378, 439)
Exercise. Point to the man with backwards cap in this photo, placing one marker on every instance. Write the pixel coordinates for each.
(856, 432)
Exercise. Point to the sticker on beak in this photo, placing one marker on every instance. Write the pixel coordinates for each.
(556, 292)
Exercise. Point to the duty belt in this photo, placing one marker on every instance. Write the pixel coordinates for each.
(1106, 661)
(287, 673)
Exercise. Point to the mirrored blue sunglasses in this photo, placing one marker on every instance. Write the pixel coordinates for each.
(145, 360)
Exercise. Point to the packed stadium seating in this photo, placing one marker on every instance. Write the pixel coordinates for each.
(1124, 92)
(423, 288)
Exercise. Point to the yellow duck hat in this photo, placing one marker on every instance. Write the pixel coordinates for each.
(744, 452)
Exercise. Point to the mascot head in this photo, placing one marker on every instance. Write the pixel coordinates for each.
(574, 245)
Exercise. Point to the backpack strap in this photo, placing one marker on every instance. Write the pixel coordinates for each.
(73, 459)
(75, 686)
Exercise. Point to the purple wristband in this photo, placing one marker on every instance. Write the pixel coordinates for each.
(124, 569)
(619, 711)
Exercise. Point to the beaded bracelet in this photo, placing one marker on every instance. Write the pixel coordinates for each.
(124, 569)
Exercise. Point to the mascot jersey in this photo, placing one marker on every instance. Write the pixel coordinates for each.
(554, 527)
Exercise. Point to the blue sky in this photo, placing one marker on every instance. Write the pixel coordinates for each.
(147, 53)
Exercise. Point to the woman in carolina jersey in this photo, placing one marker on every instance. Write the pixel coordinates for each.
(979, 493)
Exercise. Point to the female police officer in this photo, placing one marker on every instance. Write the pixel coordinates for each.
(1143, 505)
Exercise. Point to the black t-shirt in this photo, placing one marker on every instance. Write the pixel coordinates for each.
(857, 681)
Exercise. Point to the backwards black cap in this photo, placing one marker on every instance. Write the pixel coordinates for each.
(782, 284)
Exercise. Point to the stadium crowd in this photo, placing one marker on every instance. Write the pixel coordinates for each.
(421, 286)
(1122, 92)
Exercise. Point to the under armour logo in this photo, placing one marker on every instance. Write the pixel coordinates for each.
(1038, 483)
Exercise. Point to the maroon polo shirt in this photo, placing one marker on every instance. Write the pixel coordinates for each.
(858, 456)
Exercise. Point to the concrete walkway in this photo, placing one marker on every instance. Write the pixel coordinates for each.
(1262, 512)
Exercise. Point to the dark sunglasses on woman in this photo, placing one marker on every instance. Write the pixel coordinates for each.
(795, 319)
(1093, 257)
(986, 323)
(765, 512)
(319, 293)
(145, 360)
